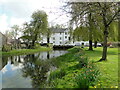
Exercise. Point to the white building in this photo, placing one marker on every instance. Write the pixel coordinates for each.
(59, 36)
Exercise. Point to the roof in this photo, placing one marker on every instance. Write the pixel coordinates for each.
(58, 30)
(2, 34)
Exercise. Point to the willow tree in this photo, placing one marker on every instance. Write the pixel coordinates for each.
(83, 16)
(40, 25)
(113, 34)
(36, 28)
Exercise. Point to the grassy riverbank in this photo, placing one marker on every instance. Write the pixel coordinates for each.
(25, 51)
(108, 69)
(73, 69)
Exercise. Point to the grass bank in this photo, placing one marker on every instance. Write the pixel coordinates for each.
(108, 69)
(73, 71)
(25, 51)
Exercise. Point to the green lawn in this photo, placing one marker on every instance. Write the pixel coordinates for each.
(68, 70)
(108, 69)
(71, 69)
(25, 51)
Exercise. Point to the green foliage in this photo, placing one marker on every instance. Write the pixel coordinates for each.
(83, 60)
(69, 68)
(15, 31)
(75, 50)
(81, 33)
(57, 74)
(37, 27)
(6, 48)
(113, 31)
(88, 76)
(25, 51)
(108, 69)
(37, 46)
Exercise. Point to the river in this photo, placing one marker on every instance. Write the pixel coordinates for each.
(27, 71)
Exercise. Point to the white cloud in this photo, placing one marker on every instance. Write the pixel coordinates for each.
(18, 66)
(4, 70)
(16, 21)
(3, 22)
(19, 11)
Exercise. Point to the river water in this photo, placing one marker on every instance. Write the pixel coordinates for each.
(27, 71)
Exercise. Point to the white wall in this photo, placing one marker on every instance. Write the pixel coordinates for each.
(55, 39)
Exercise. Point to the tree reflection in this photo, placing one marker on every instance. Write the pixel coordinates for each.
(4, 62)
(36, 69)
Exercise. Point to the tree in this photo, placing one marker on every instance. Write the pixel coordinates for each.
(15, 30)
(106, 13)
(109, 12)
(113, 34)
(83, 16)
(37, 27)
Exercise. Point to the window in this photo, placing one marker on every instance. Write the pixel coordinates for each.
(60, 38)
(60, 42)
(69, 38)
(53, 38)
(65, 36)
(53, 41)
(65, 33)
(60, 33)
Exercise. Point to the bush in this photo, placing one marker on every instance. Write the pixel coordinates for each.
(83, 60)
(88, 76)
(37, 45)
(75, 50)
(6, 48)
(115, 44)
(57, 74)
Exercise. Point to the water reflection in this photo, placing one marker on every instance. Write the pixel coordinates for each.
(36, 70)
(28, 70)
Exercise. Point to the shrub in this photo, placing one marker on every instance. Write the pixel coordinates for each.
(83, 60)
(88, 76)
(115, 44)
(75, 49)
(6, 48)
(57, 74)
(37, 45)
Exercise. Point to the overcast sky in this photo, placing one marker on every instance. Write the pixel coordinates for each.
(18, 11)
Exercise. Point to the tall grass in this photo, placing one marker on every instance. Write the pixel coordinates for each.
(72, 70)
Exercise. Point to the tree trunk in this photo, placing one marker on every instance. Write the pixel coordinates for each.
(104, 54)
(48, 41)
(95, 44)
(33, 44)
(90, 32)
(48, 55)
(90, 45)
